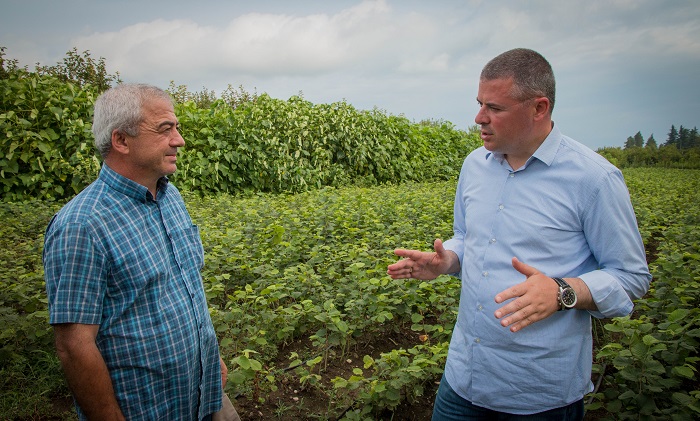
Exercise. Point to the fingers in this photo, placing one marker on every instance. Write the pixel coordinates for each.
(418, 264)
(525, 310)
(438, 247)
(517, 317)
(531, 300)
(523, 268)
(405, 267)
(402, 269)
(520, 324)
(408, 254)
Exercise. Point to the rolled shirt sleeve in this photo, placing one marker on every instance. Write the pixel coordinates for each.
(611, 228)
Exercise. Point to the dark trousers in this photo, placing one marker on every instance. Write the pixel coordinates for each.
(449, 406)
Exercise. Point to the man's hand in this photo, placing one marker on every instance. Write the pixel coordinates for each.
(534, 299)
(424, 265)
(224, 372)
(86, 371)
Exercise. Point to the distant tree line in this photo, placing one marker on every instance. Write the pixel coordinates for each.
(680, 150)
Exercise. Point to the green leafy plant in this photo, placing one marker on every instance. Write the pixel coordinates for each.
(300, 208)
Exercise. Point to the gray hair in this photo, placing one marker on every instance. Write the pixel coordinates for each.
(121, 108)
(531, 72)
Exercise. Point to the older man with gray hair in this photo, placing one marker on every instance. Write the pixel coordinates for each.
(122, 265)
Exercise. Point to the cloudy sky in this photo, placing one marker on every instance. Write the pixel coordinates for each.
(622, 66)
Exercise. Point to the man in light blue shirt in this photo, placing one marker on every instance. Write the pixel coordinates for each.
(541, 224)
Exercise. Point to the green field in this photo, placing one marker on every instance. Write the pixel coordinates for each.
(313, 328)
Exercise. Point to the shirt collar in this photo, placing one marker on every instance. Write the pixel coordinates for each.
(129, 187)
(548, 149)
(545, 153)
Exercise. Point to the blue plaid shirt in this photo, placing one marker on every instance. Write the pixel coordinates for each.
(115, 257)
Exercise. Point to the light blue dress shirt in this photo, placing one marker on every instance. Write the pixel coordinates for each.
(566, 212)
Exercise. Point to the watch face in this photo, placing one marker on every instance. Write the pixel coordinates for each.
(568, 297)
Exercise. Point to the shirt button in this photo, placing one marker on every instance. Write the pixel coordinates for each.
(480, 307)
(477, 340)
(511, 175)
(484, 273)
(493, 240)
(501, 207)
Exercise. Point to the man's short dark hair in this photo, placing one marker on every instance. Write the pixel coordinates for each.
(531, 72)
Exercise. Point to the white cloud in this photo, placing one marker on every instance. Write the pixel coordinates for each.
(143, 49)
(679, 38)
(436, 64)
(263, 44)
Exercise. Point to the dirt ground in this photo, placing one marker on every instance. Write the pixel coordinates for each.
(292, 402)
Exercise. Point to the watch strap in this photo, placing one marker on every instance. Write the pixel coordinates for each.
(562, 283)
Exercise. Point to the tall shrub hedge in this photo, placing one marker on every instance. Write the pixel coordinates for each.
(263, 145)
(46, 148)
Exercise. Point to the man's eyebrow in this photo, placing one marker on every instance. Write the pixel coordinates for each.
(488, 104)
(167, 123)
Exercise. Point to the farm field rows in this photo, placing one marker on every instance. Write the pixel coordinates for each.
(312, 328)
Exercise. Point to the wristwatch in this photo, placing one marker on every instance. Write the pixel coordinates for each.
(567, 295)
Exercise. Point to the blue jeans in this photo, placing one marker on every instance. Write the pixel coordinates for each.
(449, 406)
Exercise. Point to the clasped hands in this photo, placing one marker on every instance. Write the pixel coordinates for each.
(532, 300)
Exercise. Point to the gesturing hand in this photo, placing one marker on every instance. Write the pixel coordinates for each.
(534, 299)
(424, 265)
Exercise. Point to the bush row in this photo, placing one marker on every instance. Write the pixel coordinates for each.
(46, 149)
(262, 145)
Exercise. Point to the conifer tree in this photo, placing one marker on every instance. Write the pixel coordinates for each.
(683, 138)
(672, 139)
(651, 143)
(694, 138)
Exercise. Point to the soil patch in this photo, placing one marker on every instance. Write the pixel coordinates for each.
(317, 399)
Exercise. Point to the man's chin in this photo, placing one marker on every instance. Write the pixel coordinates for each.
(490, 146)
(170, 169)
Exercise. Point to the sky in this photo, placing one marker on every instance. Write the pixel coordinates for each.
(621, 66)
